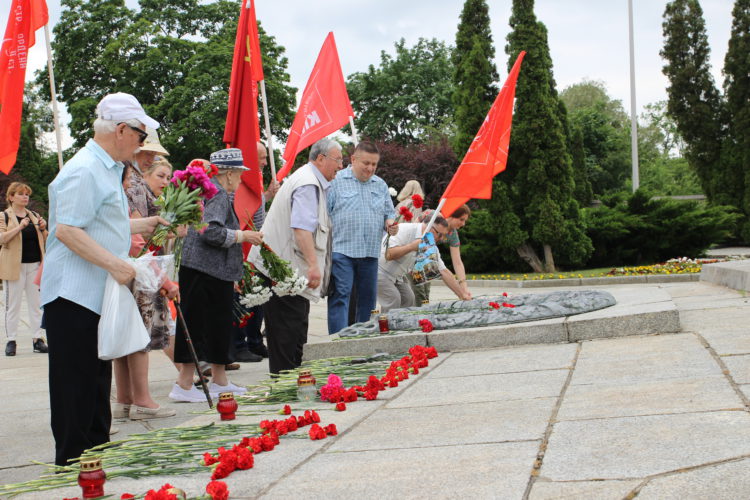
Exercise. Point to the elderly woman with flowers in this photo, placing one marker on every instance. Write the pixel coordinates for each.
(211, 263)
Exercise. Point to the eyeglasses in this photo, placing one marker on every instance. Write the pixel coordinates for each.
(340, 161)
(438, 235)
(141, 134)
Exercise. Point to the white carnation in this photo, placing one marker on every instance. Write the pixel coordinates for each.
(292, 285)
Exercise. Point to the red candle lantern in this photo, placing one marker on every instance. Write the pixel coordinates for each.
(383, 323)
(227, 406)
(91, 478)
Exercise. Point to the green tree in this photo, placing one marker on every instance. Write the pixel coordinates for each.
(605, 132)
(737, 92)
(407, 98)
(175, 56)
(694, 101)
(475, 74)
(539, 165)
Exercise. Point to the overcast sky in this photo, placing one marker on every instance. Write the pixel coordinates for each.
(588, 38)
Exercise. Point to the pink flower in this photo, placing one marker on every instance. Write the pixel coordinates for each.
(332, 388)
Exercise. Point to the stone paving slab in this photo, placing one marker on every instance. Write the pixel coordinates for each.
(648, 398)
(739, 367)
(733, 274)
(471, 471)
(726, 481)
(641, 359)
(481, 388)
(393, 344)
(469, 423)
(637, 319)
(578, 490)
(548, 331)
(508, 360)
(729, 341)
(622, 448)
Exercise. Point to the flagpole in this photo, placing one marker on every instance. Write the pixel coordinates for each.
(268, 129)
(434, 216)
(354, 131)
(53, 93)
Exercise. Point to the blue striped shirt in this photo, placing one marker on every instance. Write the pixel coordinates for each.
(358, 213)
(87, 193)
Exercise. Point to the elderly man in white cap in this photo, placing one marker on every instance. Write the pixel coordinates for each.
(89, 237)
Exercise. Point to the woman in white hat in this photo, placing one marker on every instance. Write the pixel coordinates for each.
(211, 263)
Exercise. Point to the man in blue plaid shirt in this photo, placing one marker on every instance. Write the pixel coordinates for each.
(361, 210)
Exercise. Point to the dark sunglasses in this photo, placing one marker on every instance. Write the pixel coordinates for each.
(141, 134)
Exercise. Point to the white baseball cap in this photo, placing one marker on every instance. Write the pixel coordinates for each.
(152, 143)
(120, 107)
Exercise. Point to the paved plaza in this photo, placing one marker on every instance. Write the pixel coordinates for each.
(656, 416)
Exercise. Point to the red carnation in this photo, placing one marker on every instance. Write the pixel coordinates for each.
(126, 496)
(222, 470)
(494, 305)
(417, 201)
(331, 429)
(406, 213)
(426, 325)
(316, 432)
(291, 424)
(506, 304)
(209, 459)
(218, 490)
(371, 394)
(505, 294)
(245, 459)
(431, 352)
(287, 410)
(340, 406)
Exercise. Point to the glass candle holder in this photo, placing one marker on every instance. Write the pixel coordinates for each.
(91, 479)
(374, 315)
(226, 406)
(307, 389)
(383, 323)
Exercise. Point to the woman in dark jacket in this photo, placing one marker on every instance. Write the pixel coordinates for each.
(211, 263)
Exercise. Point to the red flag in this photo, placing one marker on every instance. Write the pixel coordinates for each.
(488, 152)
(242, 130)
(324, 107)
(26, 16)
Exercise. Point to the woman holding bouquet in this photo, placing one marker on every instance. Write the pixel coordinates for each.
(211, 263)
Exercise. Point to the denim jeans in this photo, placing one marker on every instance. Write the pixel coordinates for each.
(347, 273)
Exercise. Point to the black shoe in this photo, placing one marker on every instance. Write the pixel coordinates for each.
(248, 357)
(260, 350)
(10, 348)
(40, 346)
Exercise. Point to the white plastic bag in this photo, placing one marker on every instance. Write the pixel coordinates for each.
(151, 271)
(121, 328)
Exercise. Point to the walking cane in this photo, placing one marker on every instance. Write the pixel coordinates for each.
(192, 353)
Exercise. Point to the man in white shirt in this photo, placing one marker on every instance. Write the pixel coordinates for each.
(398, 259)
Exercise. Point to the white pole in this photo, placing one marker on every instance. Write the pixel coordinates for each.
(633, 118)
(53, 93)
(435, 213)
(268, 129)
(354, 131)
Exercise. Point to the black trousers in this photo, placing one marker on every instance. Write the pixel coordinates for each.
(287, 319)
(207, 306)
(79, 382)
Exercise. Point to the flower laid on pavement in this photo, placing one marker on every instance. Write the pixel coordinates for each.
(426, 325)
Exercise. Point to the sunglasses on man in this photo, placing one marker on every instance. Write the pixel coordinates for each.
(141, 134)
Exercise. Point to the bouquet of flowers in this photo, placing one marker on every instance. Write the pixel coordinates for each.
(251, 289)
(181, 201)
(284, 279)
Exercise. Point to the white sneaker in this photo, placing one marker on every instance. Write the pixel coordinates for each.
(120, 410)
(214, 390)
(192, 395)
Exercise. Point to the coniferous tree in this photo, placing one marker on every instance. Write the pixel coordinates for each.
(694, 101)
(539, 165)
(475, 74)
(737, 92)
